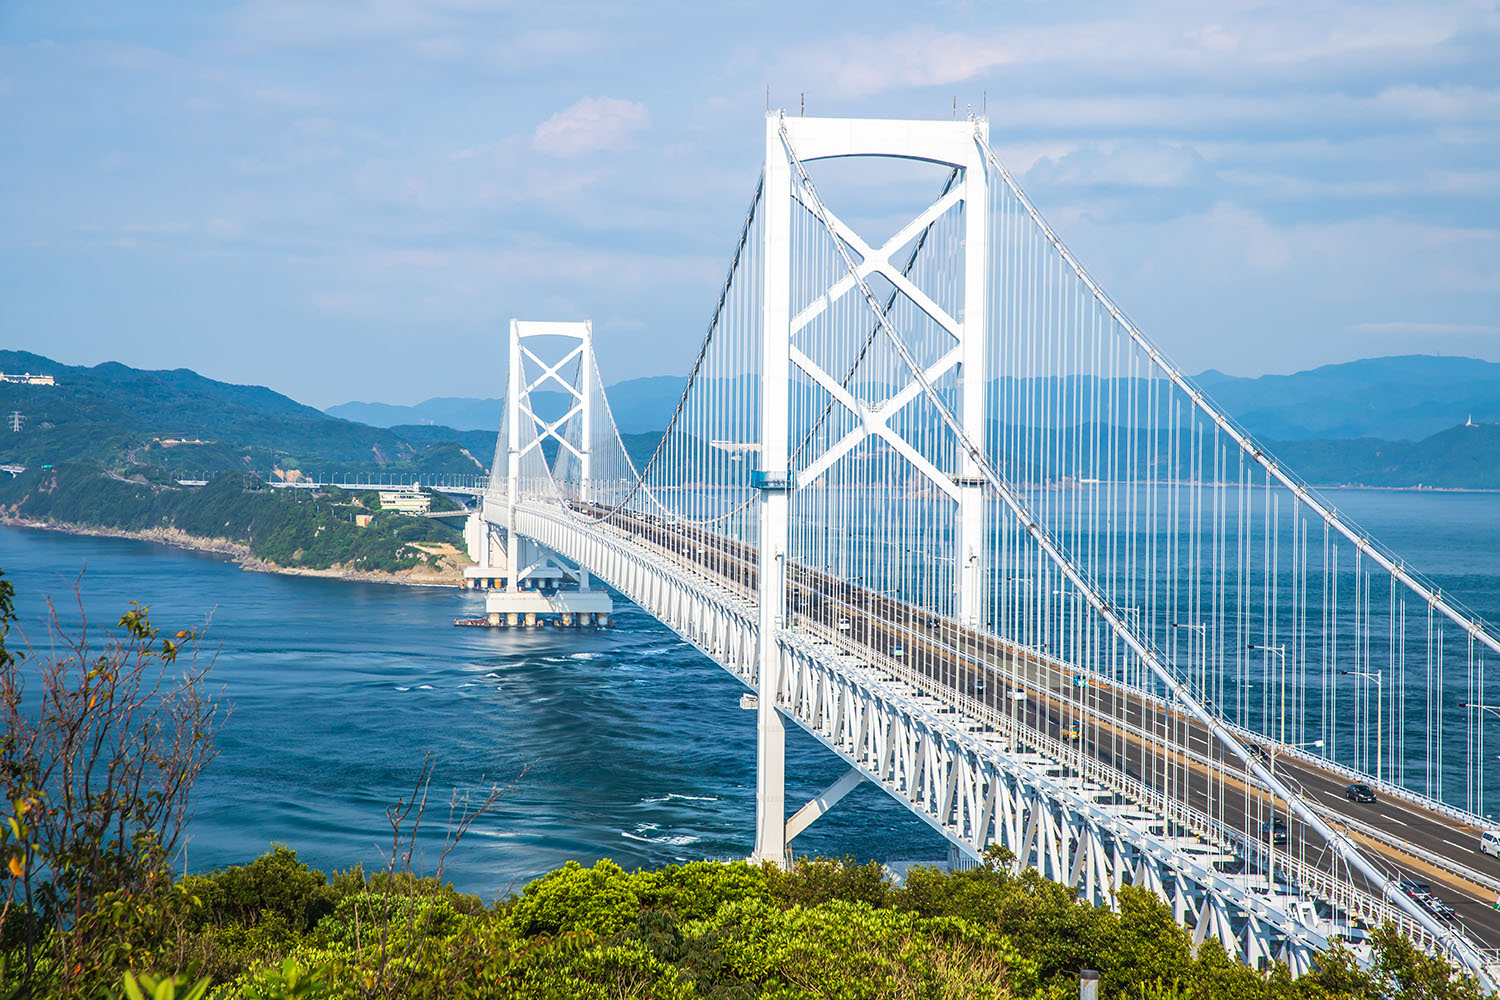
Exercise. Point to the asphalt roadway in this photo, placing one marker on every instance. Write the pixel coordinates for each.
(1113, 724)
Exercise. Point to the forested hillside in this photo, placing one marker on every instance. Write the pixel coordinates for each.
(299, 529)
(122, 418)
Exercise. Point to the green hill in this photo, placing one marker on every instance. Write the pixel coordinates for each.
(123, 417)
(289, 528)
(1376, 422)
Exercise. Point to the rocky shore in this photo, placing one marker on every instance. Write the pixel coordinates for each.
(450, 575)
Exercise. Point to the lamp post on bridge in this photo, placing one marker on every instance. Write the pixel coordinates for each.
(1280, 652)
(1495, 711)
(1080, 652)
(1202, 629)
(1271, 820)
(1378, 677)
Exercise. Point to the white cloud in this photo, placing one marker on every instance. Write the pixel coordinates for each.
(1287, 186)
(1124, 164)
(591, 125)
(1441, 103)
(1152, 44)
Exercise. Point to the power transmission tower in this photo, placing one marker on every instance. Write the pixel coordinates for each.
(17, 420)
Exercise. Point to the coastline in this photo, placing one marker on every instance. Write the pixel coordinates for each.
(241, 554)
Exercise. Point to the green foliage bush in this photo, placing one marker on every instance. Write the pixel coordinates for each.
(729, 931)
(274, 887)
(276, 930)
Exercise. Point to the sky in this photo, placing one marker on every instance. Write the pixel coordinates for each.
(350, 199)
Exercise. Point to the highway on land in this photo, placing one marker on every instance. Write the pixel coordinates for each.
(1119, 726)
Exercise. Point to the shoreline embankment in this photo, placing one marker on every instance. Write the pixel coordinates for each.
(238, 552)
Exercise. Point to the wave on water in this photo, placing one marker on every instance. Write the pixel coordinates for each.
(585, 656)
(400, 688)
(679, 797)
(643, 835)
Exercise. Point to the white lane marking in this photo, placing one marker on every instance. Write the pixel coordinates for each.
(1450, 843)
(1398, 822)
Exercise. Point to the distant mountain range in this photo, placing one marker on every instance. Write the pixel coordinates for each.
(1403, 398)
(639, 405)
(1393, 399)
(1379, 422)
(443, 411)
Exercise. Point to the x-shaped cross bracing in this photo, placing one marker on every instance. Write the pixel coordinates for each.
(875, 420)
(879, 261)
(547, 429)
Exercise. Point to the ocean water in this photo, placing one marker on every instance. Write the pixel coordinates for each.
(633, 743)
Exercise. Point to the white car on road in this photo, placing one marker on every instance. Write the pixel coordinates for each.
(1489, 842)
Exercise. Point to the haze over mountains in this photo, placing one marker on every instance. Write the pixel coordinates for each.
(1403, 398)
(640, 405)
(1394, 422)
(1393, 399)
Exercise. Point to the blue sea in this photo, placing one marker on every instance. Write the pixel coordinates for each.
(633, 744)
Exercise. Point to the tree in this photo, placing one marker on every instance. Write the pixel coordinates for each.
(102, 744)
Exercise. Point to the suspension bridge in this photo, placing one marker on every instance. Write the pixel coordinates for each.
(936, 501)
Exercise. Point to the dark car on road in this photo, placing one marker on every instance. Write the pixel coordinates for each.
(1260, 753)
(1422, 893)
(1276, 830)
(1359, 792)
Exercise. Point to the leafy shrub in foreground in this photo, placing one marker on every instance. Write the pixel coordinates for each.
(823, 929)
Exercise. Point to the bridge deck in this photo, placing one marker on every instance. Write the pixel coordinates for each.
(1117, 725)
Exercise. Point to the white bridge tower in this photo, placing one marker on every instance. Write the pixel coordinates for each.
(790, 142)
(535, 587)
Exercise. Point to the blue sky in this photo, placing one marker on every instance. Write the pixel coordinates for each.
(350, 199)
